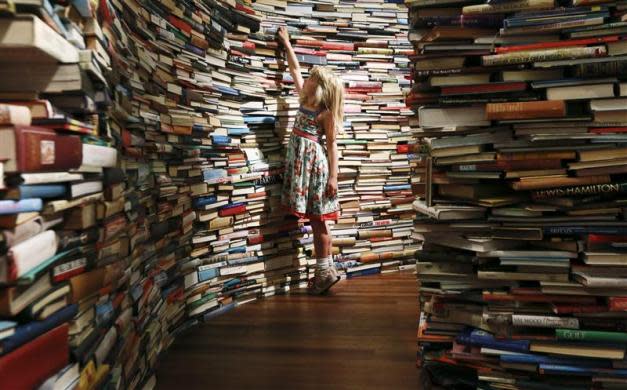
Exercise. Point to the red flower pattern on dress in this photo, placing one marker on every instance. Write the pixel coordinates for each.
(306, 173)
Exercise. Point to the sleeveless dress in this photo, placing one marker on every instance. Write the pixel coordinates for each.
(307, 171)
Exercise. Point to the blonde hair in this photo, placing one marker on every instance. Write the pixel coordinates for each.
(329, 94)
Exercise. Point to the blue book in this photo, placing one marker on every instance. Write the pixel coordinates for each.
(221, 310)
(27, 332)
(227, 90)
(397, 187)
(45, 191)
(231, 283)
(238, 130)
(20, 206)
(480, 338)
(204, 200)
(207, 274)
(577, 370)
(220, 139)
(527, 358)
(365, 272)
(258, 120)
(238, 249)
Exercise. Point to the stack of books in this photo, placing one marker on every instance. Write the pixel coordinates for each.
(366, 44)
(64, 267)
(523, 105)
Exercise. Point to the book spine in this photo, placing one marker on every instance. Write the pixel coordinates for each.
(538, 184)
(22, 206)
(484, 89)
(552, 45)
(591, 335)
(581, 190)
(544, 321)
(512, 6)
(42, 191)
(526, 110)
(14, 115)
(543, 28)
(544, 55)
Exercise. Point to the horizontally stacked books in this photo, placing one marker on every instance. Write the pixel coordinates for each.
(64, 268)
(366, 44)
(522, 273)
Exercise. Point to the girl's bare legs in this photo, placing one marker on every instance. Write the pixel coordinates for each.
(326, 274)
(322, 239)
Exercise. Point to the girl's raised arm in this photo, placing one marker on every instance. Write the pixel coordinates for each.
(292, 61)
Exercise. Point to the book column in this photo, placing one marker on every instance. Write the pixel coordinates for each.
(522, 111)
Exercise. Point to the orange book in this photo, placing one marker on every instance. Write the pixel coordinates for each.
(526, 110)
(537, 183)
(544, 155)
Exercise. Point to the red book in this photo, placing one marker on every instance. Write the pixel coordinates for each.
(240, 209)
(571, 309)
(181, 25)
(256, 239)
(35, 149)
(338, 46)
(605, 238)
(617, 303)
(31, 364)
(550, 45)
(608, 130)
(310, 43)
(245, 9)
(363, 90)
(484, 88)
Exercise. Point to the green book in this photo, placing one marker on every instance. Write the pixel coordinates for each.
(590, 335)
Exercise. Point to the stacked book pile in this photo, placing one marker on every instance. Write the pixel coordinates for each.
(522, 273)
(65, 273)
(366, 44)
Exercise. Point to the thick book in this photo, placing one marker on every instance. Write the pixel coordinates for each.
(14, 115)
(27, 39)
(50, 352)
(28, 255)
(34, 149)
(543, 55)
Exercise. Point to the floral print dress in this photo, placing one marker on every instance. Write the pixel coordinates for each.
(307, 171)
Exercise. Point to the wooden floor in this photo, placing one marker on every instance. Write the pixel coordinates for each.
(361, 336)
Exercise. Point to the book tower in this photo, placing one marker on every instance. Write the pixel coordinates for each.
(522, 109)
(141, 157)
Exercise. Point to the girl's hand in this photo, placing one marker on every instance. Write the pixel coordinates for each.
(283, 36)
(331, 190)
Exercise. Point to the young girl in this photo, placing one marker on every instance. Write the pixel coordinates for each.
(310, 178)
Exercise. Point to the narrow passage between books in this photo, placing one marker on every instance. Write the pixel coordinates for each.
(360, 336)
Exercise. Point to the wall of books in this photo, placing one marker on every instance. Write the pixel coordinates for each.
(522, 106)
(141, 155)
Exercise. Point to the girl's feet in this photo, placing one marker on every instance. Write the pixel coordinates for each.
(323, 280)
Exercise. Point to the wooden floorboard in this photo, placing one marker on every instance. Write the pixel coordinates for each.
(361, 336)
